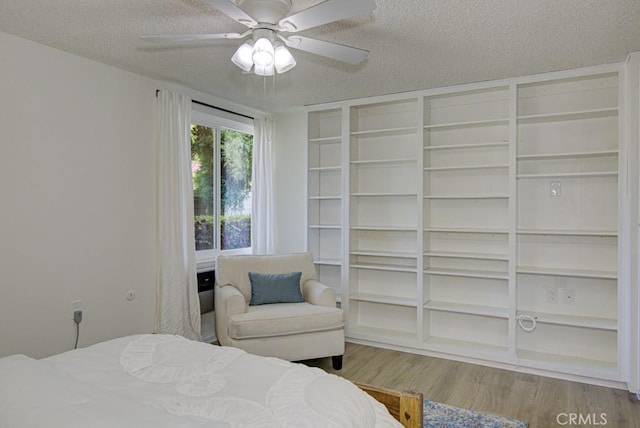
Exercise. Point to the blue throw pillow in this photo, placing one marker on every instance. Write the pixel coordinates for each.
(275, 288)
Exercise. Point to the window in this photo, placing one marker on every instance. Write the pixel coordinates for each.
(221, 165)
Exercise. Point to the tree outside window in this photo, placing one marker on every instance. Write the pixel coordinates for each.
(230, 191)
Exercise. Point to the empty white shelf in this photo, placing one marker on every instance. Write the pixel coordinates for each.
(468, 273)
(487, 196)
(568, 232)
(572, 115)
(466, 230)
(325, 198)
(467, 146)
(373, 253)
(462, 167)
(469, 124)
(328, 262)
(463, 255)
(461, 308)
(384, 161)
(385, 267)
(326, 140)
(385, 132)
(386, 299)
(580, 273)
(573, 320)
(545, 156)
(570, 174)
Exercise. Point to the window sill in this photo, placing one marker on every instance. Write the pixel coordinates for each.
(205, 265)
(207, 262)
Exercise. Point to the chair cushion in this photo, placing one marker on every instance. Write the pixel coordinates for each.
(282, 319)
(267, 288)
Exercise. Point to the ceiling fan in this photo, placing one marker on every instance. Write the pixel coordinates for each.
(271, 29)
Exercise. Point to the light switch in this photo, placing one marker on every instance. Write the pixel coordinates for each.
(556, 188)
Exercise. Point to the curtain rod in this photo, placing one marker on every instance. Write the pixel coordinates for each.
(217, 108)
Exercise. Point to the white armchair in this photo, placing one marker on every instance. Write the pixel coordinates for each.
(313, 328)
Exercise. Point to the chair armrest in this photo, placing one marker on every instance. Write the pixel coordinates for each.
(233, 300)
(228, 301)
(319, 294)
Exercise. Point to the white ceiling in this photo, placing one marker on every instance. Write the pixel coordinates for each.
(414, 44)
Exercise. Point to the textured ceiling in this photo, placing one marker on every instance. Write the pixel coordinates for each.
(414, 44)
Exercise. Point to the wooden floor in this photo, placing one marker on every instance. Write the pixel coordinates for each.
(534, 399)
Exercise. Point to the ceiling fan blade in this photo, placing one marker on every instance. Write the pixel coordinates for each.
(325, 12)
(335, 51)
(191, 37)
(233, 11)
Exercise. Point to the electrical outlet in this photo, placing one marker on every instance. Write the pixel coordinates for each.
(552, 295)
(569, 296)
(77, 306)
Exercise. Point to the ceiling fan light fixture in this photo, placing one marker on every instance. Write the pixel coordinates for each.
(264, 70)
(243, 56)
(263, 53)
(284, 61)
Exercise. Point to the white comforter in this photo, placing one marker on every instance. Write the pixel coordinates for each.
(167, 381)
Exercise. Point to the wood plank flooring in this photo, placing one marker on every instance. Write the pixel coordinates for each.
(535, 399)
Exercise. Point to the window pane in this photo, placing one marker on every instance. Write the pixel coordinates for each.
(236, 157)
(202, 164)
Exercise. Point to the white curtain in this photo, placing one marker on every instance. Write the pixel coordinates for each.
(262, 223)
(177, 303)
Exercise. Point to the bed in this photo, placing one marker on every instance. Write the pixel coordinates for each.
(167, 381)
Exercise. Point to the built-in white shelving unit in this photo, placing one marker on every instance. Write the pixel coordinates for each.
(466, 219)
(325, 195)
(567, 223)
(383, 212)
(445, 215)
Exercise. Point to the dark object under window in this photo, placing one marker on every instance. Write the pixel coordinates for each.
(205, 290)
(206, 280)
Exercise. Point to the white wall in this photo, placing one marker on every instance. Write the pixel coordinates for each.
(290, 173)
(77, 199)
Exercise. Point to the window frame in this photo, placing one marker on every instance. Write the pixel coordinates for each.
(207, 258)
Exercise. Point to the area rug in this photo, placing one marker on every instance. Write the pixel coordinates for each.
(437, 415)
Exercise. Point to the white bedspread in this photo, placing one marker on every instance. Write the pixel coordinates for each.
(168, 381)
